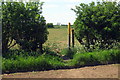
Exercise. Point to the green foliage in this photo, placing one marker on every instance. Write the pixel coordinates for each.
(23, 62)
(97, 25)
(51, 50)
(97, 57)
(50, 25)
(14, 54)
(24, 23)
(54, 47)
(69, 52)
(6, 28)
(19, 61)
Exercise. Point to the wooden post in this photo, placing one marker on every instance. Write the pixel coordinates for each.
(73, 41)
(69, 34)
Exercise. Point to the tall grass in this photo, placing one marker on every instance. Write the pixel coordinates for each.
(19, 61)
(69, 52)
(97, 57)
(24, 61)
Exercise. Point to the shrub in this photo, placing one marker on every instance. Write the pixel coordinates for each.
(14, 54)
(50, 25)
(24, 24)
(97, 25)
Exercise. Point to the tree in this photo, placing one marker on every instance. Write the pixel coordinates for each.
(97, 24)
(6, 27)
(26, 24)
(50, 25)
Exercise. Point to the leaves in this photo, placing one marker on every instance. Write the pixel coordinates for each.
(97, 23)
(24, 23)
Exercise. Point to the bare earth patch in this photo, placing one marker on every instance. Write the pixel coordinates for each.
(102, 71)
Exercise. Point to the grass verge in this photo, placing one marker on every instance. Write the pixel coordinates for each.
(95, 58)
(21, 61)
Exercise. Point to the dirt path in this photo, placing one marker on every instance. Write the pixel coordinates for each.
(104, 71)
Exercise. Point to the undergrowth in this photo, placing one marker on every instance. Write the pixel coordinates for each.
(96, 58)
(20, 61)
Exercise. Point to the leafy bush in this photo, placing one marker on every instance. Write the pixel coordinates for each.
(97, 57)
(97, 25)
(14, 54)
(50, 25)
(24, 24)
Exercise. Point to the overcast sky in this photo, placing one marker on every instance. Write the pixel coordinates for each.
(60, 11)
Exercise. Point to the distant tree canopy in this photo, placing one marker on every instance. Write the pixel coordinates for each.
(98, 25)
(23, 23)
(50, 25)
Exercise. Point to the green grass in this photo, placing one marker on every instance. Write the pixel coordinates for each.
(28, 62)
(97, 57)
(69, 52)
(58, 34)
(21, 61)
(58, 39)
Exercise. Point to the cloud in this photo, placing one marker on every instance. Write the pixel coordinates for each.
(47, 0)
(69, 6)
(61, 1)
(51, 6)
(74, 0)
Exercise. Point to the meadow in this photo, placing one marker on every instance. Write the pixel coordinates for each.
(58, 38)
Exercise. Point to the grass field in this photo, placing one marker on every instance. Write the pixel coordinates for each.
(59, 37)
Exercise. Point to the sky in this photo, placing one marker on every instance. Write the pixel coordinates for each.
(59, 11)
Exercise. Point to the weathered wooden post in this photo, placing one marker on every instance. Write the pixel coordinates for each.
(73, 41)
(69, 34)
